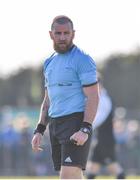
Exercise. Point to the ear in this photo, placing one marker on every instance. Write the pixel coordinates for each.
(51, 35)
(73, 34)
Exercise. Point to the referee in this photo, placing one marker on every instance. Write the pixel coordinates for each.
(70, 102)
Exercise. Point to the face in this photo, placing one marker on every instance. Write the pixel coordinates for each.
(62, 36)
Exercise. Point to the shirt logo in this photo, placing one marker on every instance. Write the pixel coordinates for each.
(68, 159)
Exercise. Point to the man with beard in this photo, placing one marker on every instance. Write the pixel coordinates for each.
(70, 102)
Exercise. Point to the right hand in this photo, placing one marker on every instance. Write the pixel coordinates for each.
(36, 142)
(79, 138)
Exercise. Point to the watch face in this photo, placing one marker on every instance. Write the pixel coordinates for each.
(85, 130)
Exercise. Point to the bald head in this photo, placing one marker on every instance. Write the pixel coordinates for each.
(61, 20)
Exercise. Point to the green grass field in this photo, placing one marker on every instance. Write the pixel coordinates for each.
(56, 177)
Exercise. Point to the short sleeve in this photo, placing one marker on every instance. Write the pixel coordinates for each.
(87, 71)
(46, 63)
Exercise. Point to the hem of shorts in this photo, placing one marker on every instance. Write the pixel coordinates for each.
(103, 163)
(74, 165)
(57, 168)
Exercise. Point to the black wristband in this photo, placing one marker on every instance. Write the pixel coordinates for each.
(86, 124)
(40, 129)
(86, 128)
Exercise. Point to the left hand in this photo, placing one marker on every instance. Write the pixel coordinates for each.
(80, 138)
(36, 142)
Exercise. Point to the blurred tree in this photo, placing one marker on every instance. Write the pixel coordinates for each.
(120, 75)
(21, 89)
(122, 79)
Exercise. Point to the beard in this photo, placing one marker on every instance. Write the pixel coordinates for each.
(62, 47)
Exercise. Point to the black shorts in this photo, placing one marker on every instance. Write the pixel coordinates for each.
(103, 155)
(104, 151)
(65, 153)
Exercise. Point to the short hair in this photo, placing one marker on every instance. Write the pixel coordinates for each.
(61, 20)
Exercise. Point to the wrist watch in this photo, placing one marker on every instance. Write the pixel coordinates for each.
(85, 130)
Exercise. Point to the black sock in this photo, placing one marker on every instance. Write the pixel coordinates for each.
(121, 176)
(90, 176)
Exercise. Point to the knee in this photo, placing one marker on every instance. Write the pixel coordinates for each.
(69, 172)
(93, 167)
(114, 168)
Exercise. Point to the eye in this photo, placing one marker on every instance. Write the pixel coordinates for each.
(57, 33)
(66, 33)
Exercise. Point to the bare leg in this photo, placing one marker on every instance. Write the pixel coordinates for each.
(93, 170)
(69, 172)
(116, 170)
(93, 167)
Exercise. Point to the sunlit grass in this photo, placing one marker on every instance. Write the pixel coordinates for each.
(56, 177)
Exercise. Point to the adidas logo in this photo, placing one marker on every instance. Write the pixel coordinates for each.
(68, 159)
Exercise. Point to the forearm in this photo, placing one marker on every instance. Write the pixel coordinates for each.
(91, 109)
(92, 95)
(43, 117)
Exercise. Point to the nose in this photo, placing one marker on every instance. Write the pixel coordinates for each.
(62, 37)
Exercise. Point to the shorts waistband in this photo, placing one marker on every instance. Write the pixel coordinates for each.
(77, 114)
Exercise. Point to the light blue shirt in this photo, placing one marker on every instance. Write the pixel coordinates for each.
(65, 75)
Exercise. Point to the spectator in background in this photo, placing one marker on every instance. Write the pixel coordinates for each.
(1, 150)
(103, 154)
(10, 141)
(22, 126)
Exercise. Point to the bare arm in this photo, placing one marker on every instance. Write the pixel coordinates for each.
(42, 123)
(43, 117)
(92, 94)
